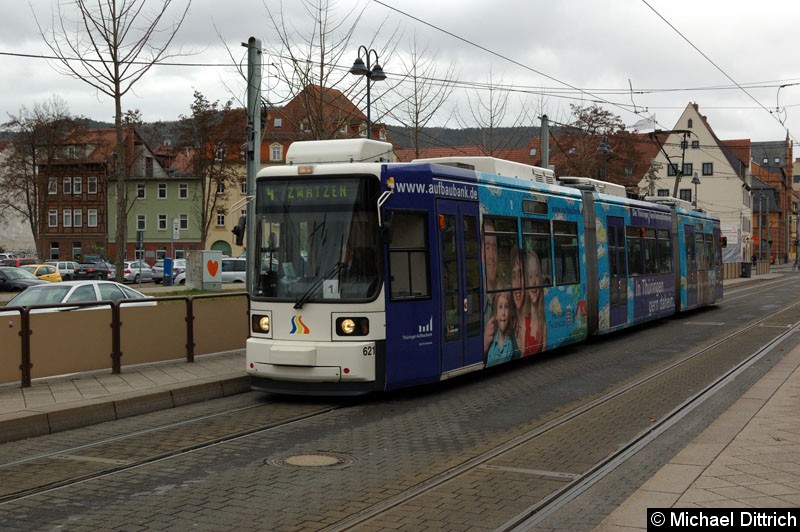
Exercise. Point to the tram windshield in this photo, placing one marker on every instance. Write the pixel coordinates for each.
(318, 239)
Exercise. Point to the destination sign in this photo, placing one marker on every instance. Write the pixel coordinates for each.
(317, 192)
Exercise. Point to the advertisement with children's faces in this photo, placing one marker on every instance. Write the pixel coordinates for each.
(524, 311)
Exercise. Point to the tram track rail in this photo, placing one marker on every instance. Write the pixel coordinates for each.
(107, 467)
(578, 483)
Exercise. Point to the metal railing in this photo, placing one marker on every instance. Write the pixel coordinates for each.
(78, 337)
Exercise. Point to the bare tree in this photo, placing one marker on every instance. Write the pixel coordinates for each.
(111, 45)
(307, 54)
(424, 89)
(213, 137)
(36, 137)
(488, 107)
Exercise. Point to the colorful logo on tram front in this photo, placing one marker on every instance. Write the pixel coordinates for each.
(298, 327)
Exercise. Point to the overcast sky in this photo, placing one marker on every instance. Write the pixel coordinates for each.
(737, 59)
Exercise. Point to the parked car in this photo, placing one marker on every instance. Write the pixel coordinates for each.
(19, 261)
(16, 279)
(95, 270)
(77, 292)
(234, 270)
(137, 270)
(65, 267)
(46, 272)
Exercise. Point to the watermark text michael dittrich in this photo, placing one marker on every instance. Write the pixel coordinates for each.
(751, 518)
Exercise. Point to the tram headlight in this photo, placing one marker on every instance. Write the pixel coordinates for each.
(261, 323)
(352, 326)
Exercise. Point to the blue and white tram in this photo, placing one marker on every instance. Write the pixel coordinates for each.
(375, 275)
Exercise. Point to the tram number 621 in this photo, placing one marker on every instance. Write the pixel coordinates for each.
(369, 351)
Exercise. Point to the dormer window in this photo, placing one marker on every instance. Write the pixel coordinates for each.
(362, 129)
(305, 126)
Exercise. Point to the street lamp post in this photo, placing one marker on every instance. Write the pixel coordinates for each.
(372, 71)
(606, 150)
(695, 182)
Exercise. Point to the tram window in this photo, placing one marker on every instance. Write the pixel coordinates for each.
(536, 239)
(634, 242)
(499, 234)
(700, 250)
(650, 252)
(664, 252)
(708, 251)
(408, 256)
(565, 253)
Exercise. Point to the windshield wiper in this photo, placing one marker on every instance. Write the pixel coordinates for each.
(313, 288)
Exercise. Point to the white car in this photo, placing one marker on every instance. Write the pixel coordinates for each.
(136, 270)
(234, 270)
(76, 292)
(65, 267)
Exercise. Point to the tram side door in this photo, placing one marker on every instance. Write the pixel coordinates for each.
(691, 265)
(618, 271)
(459, 252)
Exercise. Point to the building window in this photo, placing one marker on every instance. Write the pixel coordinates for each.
(67, 185)
(362, 129)
(91, 184)
(765, 161)
(162, 191)
(278, 122)
(77, 186)
(52, 185)
(672, 169)
(663, 192)
(140, 191)
(708, 168)
(305, 126)
(220, 188)
(141, 222)
(180, 253)
(161, 253)
(777, 160)
(685, 194)
(148, 167)
(162, 222)
(183, 190)
(689, 124)
(276, 152)
(52, 218)
(343, 128)
(53, 250)
(688, 168)
(695, 144)
(91, 216)
(67, 218)
(243, 186)
(684, 144)
(77, 217)
(77, 250)
(220, 218)
(183, 221)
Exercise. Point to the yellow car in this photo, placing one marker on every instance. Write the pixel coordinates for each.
(46, 272)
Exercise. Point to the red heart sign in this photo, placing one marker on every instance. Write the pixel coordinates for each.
(212, 266)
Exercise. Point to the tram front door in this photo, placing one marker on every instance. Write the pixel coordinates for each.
(459, 252)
